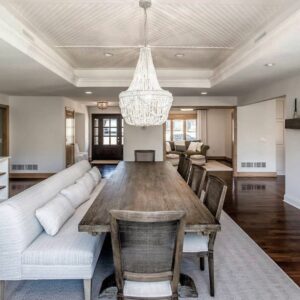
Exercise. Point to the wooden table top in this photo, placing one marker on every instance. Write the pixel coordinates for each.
(147, 187)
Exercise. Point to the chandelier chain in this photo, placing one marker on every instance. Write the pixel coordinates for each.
(145, 27)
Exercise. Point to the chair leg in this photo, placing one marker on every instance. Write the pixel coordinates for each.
(2, 287)
(87, 286)
(202, 263)
(211, 273)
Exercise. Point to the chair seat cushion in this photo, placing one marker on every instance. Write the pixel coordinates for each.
(195, 242)
(68, 247)
(147, 289)
(172, 156)
(197, 156)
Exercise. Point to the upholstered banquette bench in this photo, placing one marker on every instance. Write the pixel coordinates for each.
(39, 236)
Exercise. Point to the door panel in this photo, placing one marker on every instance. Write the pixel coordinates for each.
(107, 137)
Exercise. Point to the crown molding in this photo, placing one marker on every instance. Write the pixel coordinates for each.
(187, 78)
(15, 33)
(251, 51)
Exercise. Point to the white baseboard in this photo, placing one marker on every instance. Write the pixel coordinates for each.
(292, 201)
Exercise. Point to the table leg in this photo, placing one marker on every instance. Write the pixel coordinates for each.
(186, 287)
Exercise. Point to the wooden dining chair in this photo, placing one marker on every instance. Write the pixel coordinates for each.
(181, 163)
(147, 251)
(144, 155)
(184, 166)
(197, 179)
(201, 244)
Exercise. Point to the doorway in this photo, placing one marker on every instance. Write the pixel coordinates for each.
(107, 136)
(70, 136)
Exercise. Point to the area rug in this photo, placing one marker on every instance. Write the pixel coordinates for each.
(242, 272)
(215, 166)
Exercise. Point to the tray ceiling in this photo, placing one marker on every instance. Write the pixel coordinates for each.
(224, 24)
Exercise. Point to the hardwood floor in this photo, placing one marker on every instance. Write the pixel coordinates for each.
(256, 205)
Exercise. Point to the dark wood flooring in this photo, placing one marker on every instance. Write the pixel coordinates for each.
(256, 205)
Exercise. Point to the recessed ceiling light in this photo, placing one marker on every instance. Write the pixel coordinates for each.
(108, 54)
(186, 109)
(269, 65)
(179, 55)
(203, 93)
(88, 92)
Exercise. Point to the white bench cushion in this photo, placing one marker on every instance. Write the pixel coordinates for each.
(54, 214)
(147, 289)
(88, 181)
(95, 173)
(195, 242)
(76, 193)
(68, 247)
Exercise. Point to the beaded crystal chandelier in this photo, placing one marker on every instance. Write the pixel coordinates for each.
(145, 103)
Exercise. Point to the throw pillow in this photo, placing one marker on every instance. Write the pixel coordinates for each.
(96, 174)
(168, 147)
(199, 146)
(54, 214)
(193, 146)
(88, 181)
(76, 193)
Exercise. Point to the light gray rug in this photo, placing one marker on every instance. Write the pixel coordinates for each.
(242, 271)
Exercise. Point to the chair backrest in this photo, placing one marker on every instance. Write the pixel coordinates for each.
(144, 155)
(181, 163)
(197, 179)
(184, 166)
(215, 195)
(147, 246)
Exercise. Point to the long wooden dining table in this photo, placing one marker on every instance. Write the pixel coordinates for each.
(148, 186)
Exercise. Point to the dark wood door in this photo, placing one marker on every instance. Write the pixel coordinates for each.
(107, 137)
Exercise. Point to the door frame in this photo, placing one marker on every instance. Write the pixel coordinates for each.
(5, 142)
(68, 112)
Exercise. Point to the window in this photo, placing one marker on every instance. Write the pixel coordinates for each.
(181, 128)
(110, 130)
(190, 130)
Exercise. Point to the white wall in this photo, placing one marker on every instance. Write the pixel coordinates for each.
(4, 99)
(256, 136)
(37, 132)
(219, 132)
(290, 88)
(80, 131)
(228, 133)
(148, 138)
(280, 147)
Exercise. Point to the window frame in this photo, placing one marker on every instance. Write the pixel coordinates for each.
(184, 118)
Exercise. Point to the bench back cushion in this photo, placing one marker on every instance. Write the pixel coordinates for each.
(19, 226)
